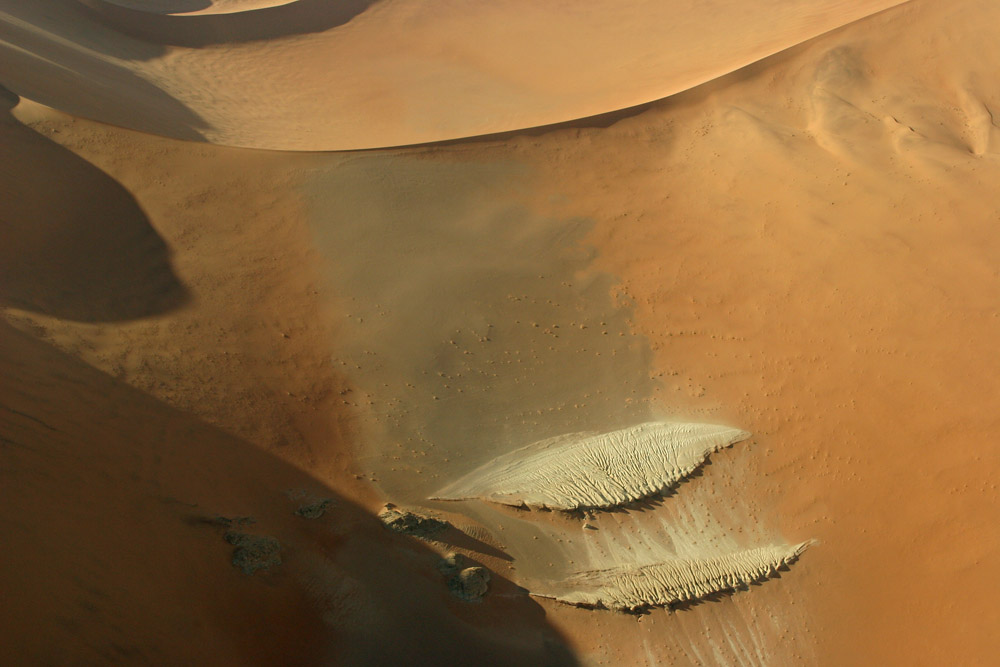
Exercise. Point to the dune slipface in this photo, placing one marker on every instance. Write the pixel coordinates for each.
(321, 75)
(198, 6)
(595, 470)
(631, 588)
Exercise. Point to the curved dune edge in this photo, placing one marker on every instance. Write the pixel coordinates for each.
(198, 7)
(587, 471)
(325, 76)
(673, 582)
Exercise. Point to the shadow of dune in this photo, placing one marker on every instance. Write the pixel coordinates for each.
(455, 537)
(61, 54)
(297, 18)
(164, 6)
(102, 562)
(74, 243)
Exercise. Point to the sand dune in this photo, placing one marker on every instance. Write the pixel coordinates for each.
(317, 75)
(200, 340)
(586, 471)
(54, 259)
(117, 551)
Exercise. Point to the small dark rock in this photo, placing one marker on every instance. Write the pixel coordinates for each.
(234, 521)
(451, 563)
(466, 583)
(410, 523)
(254, 552)
(314, 510)
(471, 584)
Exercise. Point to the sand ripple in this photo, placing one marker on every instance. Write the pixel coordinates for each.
(325, 75)
(631, 588)
(595, 471)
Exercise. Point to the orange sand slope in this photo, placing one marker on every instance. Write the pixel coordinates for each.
(806, 248)
(318, 75)
(114, 549)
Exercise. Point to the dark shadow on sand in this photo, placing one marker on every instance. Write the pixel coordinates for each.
(84, 454)
(169, 6)
(74, 243)
(63, 54)
(454, 537)
(297, 18)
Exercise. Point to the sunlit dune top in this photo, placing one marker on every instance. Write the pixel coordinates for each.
(324, 75)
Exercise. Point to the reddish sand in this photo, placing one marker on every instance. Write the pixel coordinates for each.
(819, 265)
(320, 75)
(806, 248)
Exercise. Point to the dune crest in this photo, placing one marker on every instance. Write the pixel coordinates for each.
(633, 588)
(195, 7)
(317, 75)
(595, 471)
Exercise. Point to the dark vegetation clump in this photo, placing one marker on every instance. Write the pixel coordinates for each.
(314, 510)
(253, 552)
(411, 523)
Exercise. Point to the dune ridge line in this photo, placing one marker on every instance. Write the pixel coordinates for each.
(589, 471)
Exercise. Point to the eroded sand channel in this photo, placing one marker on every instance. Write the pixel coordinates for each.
(474, 326)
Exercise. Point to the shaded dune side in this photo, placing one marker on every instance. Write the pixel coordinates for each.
(74, 243)
(198, 7)
(357, 74)
(631, 588)
(595, 471)
(112, 501)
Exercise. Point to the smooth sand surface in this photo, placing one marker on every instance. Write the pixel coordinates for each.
(318, 75)
(806, 248)
(198, 6)
(812, 250)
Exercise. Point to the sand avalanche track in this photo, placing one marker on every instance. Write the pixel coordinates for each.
(318, 75)
(595, 471)
(633, 588)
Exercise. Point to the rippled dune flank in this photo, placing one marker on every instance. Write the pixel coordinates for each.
(324, 75)
(210, 351)
(634, 588)
(595, 471)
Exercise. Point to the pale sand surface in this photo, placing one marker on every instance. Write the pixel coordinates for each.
(586, 471)
(317, 75)
(805, 249)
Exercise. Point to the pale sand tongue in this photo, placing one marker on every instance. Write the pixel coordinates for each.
(601, 471)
